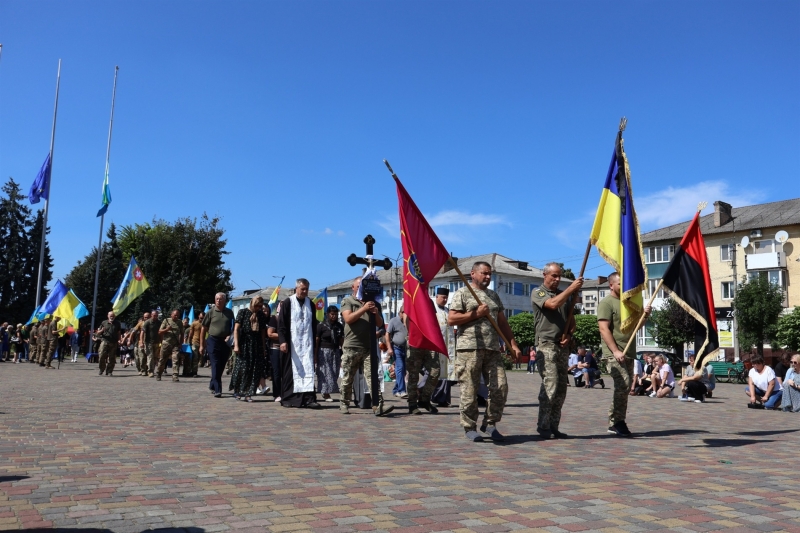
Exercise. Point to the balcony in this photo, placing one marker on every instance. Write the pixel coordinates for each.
(765, 261)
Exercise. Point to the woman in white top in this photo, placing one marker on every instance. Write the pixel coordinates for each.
(764, 390)
(663, 379)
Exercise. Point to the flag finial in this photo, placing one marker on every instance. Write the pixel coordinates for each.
(701, 206)
(623, 122)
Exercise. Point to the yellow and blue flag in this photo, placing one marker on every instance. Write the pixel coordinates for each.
(191, 315)
(273, 300)
(133, 285)
(321, 303)
(71, 309)
(106, 195)
(615, 233)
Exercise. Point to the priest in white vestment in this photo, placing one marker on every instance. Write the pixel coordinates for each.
(297, 326)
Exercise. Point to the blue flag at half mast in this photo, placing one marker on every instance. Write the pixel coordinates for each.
(39, 188)
(106, 195)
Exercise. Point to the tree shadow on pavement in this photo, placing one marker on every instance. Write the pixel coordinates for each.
(767, 432)
(668, 433)
(6, 479)
(729, 443)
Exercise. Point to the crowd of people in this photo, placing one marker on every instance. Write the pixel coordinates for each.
(303, 357)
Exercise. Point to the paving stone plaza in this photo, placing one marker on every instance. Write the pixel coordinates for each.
(127, 453)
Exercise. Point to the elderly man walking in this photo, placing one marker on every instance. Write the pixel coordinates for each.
(218, 324)
(109, 335)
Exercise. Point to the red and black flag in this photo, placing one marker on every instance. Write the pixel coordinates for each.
(688, 278)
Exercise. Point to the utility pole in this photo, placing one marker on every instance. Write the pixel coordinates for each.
(735, 290)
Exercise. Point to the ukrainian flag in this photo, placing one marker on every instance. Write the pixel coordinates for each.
(273, 300)
(321, 303)
(133, 285)
(616, 235)
(71, 309)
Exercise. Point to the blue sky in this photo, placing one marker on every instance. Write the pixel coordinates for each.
(499, 117)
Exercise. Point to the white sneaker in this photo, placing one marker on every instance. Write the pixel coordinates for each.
(685, 398)
(652, 394)
(690, 399)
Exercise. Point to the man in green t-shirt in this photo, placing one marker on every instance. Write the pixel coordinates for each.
(356, 348)
(553, 335)
(620, 365)
(478, 348)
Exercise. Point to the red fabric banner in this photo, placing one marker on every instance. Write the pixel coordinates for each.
(423, 256)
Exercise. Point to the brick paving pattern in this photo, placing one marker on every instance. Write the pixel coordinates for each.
(128, 453)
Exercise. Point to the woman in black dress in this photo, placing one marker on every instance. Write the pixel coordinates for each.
(249, 343)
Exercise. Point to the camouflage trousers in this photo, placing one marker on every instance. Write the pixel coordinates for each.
(415, 360)
(33, 353)
(169, 348)
(47, 351)
(108, 356)
(352, 360)
(553, 391)
(470, 366)
(151, 357)
(622, 376)
(196, 358)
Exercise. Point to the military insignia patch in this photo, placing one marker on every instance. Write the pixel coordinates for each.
(541, 293)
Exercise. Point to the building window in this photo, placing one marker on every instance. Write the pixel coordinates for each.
(764, 247)
(602, 294)
(659, 254)
(508, 313)
(727, 290)
(518, 290)
(533, 286)
(726, 252)
(651, 287)
(776, 277)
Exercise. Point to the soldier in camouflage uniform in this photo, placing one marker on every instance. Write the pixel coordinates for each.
(46, 357)
(553, 335)
(194, 341)
(416, 359)
(171, 332)
(108, 332)
(43, 340)
(150, 343)
(620, 365)
(33, 344)
(136, 334)
(479, 352)
(356, 348)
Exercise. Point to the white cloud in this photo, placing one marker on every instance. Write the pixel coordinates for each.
(326, 231)
(678, 204)
(450, 226)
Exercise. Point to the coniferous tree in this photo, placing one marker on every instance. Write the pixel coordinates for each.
(20, 241)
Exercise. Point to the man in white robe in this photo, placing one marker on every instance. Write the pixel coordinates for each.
(297, 324)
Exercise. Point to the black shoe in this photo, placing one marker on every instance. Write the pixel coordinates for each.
(620, 429)
(381, 410)
(558, 434)
(314, 405)
(544, 433)
(217, 395)
(413, 409)
(100, 374)
(428, 407)
(602, 384)
(493, 433)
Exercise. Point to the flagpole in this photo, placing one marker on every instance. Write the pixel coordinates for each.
(103, 216)
(47, 198)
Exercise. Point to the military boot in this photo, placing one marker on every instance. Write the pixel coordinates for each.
(413, 409)
(429, 407)
(381, 410)
(158, 377)
(175, 378)
(344, 409)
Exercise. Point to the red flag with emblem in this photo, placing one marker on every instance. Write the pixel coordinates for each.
(423, 256)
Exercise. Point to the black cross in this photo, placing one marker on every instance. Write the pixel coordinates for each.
(354, 260)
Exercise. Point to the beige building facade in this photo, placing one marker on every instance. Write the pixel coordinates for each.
(741, 242)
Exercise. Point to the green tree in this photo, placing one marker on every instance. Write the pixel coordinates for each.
(20, 240)
(758, 305)
(587, 333)
(788, 333)
(566, 272)
(182, 261)
(523, 327)
(672, 326)
(112, 270)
